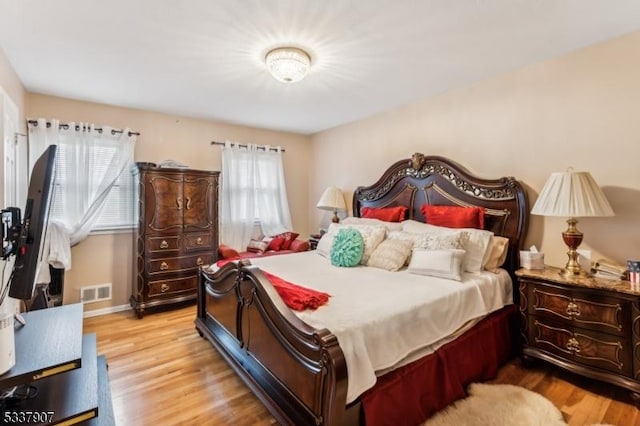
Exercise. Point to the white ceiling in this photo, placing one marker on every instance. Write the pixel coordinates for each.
(204, 58)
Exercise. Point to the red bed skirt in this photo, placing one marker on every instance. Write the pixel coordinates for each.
(414, 392)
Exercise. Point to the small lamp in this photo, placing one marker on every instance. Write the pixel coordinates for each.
(332, 199)
(572, 194)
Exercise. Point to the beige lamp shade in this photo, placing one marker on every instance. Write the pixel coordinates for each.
(332, 199)
(572, 194)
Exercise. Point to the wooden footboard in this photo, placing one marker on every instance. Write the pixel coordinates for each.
(298, 372)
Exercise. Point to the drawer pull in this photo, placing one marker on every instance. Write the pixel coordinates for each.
(179, 203)
(573, 345)
(164, 244)
(573, 310)
(199, 241)
(164, 266)
(164, 288)
(199, 261)
(188, 203)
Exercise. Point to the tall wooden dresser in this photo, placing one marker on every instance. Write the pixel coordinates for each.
(177, 232)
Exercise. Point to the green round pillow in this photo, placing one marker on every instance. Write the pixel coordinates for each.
(347, 248)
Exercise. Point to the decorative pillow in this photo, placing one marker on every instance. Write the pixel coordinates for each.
(347, 248)
(432, 240)
(258, 246)
(475, 247)
(387, 214)
(276, 243)
(454, 216)
(288, 238)
(324, 245)
(391, 254)
(496, 253)
(227, 252)
(391, 226)
(437, 263)
(372, 235)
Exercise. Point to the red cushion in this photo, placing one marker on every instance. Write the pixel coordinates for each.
(388, 214)
(454, 216)
(276, 243)
(288, 238)
(227, 252)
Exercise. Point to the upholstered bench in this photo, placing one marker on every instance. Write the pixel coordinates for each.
(296, 245)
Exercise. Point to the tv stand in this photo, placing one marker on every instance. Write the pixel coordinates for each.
(53, 356)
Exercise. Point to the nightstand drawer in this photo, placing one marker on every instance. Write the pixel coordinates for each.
(590, 348)
(594, 312)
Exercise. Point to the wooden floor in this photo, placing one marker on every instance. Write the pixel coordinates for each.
(163, 373)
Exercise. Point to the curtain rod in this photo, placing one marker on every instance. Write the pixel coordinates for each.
(242, 145)
(66, 127)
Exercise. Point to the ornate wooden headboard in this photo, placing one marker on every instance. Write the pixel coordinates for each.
(424, 179)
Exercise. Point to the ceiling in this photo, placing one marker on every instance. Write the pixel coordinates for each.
(204, 58)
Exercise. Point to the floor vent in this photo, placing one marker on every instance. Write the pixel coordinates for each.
(95, 293)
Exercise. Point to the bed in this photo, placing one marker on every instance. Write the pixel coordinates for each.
(300, 372)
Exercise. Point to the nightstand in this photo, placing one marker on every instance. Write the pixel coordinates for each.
(588, 326)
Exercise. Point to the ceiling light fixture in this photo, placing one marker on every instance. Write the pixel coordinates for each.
(288, 64)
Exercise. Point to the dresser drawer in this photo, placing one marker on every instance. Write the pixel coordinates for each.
(163, 244)
(166, 288)
(591, 348)
(198, 242)
(595, 312)
(178, 264)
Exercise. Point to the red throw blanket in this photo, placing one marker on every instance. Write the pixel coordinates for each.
(294, 296)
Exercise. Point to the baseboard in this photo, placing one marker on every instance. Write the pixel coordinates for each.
(105, 311)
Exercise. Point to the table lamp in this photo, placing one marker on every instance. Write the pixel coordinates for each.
(332, 199)
(572, 194)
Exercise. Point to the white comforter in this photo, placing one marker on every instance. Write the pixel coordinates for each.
(381, 317)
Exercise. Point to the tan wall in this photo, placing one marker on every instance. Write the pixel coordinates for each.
(579, 110)
(108, 258)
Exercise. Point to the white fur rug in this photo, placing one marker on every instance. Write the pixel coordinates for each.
(499, 405)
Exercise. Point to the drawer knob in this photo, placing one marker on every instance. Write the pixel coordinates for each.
(164, 288)
(573, 310)
(164, 244)
(199, 241)
(199, 261)
(164, 266)
(573, 345)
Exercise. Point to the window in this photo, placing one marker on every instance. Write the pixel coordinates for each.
(118, 209)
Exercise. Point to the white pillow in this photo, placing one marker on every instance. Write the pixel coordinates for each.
(476, 247)
(391, 226)
(372, 236)
(324, 245)
(432, 240)
(437, 263)
(390, 254)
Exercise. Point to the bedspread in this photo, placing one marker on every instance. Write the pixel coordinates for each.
(381, 317)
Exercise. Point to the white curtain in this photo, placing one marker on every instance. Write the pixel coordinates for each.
(253, 188)
(83, 180)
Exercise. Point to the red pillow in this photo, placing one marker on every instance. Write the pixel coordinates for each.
(276, 243)
(227, 252)
(288, 239)
(388, 214)
(454, 216)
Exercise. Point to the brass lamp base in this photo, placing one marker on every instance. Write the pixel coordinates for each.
(335, 218)
(572, 238)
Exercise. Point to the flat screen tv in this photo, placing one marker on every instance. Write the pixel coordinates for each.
(32, 232)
